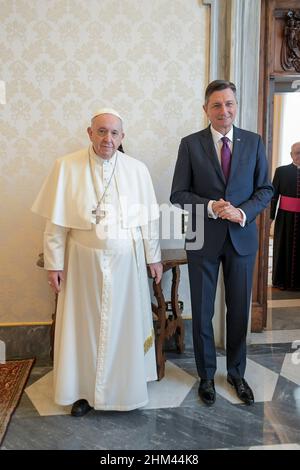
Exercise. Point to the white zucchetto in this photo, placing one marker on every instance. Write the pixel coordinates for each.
(107, 111)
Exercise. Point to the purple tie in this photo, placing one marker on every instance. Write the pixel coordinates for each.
(225, 157)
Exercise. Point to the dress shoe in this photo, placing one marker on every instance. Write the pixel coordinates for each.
(80, 408)
(242, 389)
(207, 391)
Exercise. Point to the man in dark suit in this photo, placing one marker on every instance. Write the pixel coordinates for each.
(224, 169)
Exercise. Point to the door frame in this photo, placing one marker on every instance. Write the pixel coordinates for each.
(271, 11)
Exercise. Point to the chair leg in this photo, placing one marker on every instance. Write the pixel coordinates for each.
(177, 317)
(160, 329)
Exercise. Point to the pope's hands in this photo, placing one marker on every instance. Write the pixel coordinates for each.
(156, 270)
(225, 210)
(54, 280)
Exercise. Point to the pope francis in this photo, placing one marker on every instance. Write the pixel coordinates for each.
(102, 224)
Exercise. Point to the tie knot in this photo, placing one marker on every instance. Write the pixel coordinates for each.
(225, 140)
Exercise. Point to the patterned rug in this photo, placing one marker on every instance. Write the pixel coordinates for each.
(13, 378)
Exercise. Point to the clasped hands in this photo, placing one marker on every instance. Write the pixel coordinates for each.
(225, 210)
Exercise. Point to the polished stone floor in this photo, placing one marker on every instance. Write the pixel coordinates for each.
(175, 418)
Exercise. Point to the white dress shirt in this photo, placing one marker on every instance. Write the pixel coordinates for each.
(218, 143)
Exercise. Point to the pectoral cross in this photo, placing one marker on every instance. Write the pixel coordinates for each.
(100, 213)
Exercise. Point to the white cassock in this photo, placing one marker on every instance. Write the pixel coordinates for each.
(104, 340)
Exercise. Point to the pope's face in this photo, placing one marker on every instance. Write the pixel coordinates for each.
(295, 153)
(106, 134)
(221, 110)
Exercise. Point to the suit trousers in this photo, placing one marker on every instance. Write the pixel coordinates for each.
(203, 276)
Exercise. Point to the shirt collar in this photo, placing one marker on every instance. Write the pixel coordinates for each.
(217, 136)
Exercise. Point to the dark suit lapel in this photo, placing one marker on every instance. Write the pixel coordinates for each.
(210, 150)
(236, 152)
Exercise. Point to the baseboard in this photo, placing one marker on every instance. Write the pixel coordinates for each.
(34, 340)
(26, 341)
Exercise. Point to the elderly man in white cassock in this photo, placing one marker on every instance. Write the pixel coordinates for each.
(101, 231)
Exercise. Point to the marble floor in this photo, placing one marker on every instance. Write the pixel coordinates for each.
(175, 418)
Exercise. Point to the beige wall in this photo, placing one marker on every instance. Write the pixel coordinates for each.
(61, 59)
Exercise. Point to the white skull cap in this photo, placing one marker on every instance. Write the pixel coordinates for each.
(107, 111)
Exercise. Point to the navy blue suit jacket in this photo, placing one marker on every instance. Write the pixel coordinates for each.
(198, 178)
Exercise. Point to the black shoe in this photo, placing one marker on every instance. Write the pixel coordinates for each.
(242, 389)
(207, 391)
(80, 408)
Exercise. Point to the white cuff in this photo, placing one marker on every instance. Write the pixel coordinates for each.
(243, 223)
(210, 212)
(54, 246)
(150, 234)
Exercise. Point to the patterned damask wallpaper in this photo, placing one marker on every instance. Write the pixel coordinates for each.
(62, 59)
